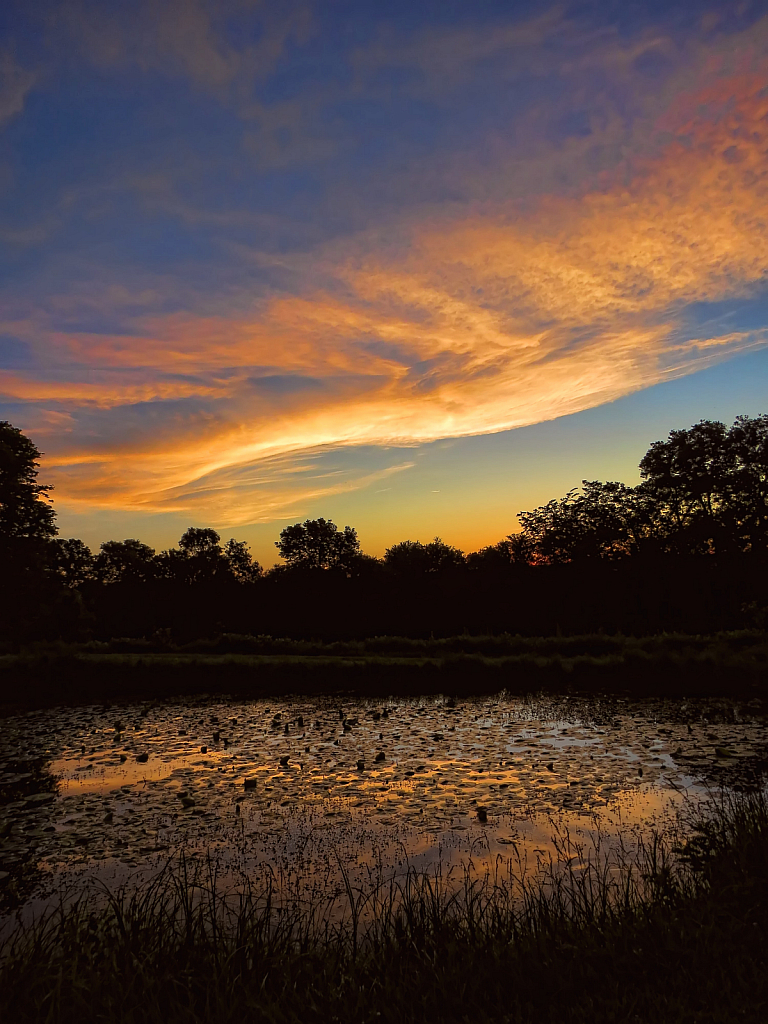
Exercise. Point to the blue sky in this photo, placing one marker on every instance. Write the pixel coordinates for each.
(413, 266)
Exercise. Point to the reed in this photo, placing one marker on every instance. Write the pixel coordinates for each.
(661, 932)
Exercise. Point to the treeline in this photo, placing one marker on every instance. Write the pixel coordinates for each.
(685, 550)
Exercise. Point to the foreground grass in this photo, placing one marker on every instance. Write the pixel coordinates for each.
(666, 939)
(729, 664)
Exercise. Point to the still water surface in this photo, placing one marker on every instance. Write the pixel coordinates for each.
(301, 787)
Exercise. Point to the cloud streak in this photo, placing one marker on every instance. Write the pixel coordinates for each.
(15, 84)
(200, 41)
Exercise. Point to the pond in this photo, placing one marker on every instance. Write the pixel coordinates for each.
(308, 788)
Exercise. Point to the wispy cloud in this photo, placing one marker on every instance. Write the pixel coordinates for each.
(216, 46)
(15, 84)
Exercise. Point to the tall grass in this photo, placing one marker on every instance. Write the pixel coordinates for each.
(666, 933)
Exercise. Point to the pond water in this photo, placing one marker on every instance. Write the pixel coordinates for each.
(303, 787)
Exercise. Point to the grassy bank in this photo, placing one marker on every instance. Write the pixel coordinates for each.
(668, 938)
(730, 664)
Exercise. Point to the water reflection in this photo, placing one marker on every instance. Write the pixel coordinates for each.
(300, 786)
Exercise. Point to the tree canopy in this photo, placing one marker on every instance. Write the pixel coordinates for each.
(199, 559)
(710, 484)
(318, 544)
(600, 520)
(411, 556)
(25, 510)
(121, 561)
(704, 491)
(71, 561)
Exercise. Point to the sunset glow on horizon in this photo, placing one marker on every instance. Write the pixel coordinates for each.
(262, 262)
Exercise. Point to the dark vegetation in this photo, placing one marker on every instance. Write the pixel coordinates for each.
(684, 552)
(675, 935)
(728, 664)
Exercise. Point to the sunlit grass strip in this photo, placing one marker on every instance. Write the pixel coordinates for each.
(665, 935)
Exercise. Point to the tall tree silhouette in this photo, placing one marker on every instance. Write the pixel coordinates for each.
(71, 561)
(242, 565)
(200, 541)
(598, 520)
(203, 556)
(748, 446)
(710, 485)
(200, 558)
(318, 544)
(704, 491)
(27, 520)
(687, 476)
(124, 561)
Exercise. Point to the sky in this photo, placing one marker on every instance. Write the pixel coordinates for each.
(412, 266)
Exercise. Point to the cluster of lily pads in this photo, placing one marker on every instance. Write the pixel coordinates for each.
(303, 785)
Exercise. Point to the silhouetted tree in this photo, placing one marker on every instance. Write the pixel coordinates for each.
(748, 449)
(71, 561)
(516, 549)
(366, 565)
(522, 550)
(27, 520)
(242, 566)
(28, 591)
(172, 564)
(204, 557)
(200, 558)
(200, 541)
(599, 520)
(411, 556)
(686, 475)
(704, 490)
(120, 561)
(710, 485)
(318, 544)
